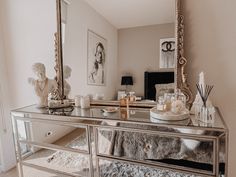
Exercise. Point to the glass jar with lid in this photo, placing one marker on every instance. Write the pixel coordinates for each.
(180, 96)
(161, 106)
(168, 100)
(132, 96)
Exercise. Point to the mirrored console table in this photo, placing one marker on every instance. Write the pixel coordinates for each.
(91, 142)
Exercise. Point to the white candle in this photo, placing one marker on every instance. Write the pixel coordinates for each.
(77, 100)
(202, 81)
(85, 102)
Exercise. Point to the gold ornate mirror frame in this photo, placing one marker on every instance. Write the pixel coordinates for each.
(59, 92)
(180, 75)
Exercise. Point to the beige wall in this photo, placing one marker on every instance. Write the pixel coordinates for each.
(6, 142)
(26, 37)
(139, 51)
(210, 46)
(29, 28)
(80, 18)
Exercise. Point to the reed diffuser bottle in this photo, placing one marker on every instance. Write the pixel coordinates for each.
(205, 113)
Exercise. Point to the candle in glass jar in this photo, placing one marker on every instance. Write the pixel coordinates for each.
(77, 100)
(85, 102)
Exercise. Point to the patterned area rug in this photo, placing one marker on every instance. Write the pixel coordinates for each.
(117, 169)
(80, 163)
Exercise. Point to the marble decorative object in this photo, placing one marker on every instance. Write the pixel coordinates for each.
(42, 84)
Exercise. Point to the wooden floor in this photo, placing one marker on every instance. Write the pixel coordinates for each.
(11, 173)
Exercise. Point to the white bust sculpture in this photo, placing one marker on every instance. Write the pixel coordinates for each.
(42, 85)
(67, 73)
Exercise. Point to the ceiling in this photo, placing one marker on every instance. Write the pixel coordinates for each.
(133, 13)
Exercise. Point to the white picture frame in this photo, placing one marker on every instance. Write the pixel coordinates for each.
(167, 53)
(96, 60)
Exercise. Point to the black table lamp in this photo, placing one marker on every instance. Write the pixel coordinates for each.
(126, 80)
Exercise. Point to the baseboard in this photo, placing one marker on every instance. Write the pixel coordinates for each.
(3, 170)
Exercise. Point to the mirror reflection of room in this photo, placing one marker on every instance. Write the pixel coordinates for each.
(108, 40)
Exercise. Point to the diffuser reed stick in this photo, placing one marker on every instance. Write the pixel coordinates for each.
(204, 93)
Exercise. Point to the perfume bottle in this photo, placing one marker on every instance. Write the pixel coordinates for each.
(124, 114)
(132, 97)
(123, 100)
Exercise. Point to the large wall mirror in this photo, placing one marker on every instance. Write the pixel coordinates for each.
(106, 42)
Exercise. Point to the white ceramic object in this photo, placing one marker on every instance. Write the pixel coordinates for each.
(42, 85)
(77, 100)
(190, 144)
(85, 102)
(169, 116)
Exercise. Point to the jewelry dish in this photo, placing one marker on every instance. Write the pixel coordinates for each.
(169, 116)
(176, 122)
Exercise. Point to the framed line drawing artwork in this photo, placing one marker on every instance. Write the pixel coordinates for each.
(167, 53)
(96, 61)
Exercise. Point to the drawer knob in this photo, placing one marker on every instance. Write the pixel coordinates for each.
(49, 133)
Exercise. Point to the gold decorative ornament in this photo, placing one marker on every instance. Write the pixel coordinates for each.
(59, 91)
(181, 76)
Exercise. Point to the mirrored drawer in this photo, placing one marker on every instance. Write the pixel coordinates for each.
(68, 136)
(33, 172)
(118, 168)
(71, 163)
(163, 149)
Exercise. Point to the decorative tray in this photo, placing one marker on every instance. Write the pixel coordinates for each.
(169, 116)
(174, 122)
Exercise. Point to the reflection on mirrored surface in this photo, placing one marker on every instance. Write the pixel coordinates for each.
(155, 148)
(105, 40)
(136, 115)
(51, 133)
(117, 168)
(29, 172)
(70, 163)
